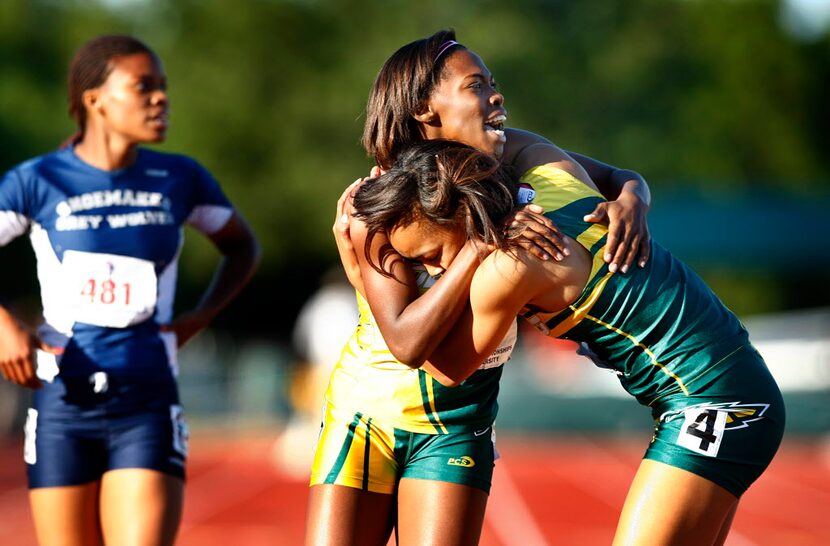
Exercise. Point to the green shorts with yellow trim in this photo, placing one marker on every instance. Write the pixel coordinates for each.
(355, 450)
(727, 432)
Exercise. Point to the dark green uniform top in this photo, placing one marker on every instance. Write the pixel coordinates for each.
(660, 328)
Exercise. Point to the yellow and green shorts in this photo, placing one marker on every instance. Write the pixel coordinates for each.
(355, 450)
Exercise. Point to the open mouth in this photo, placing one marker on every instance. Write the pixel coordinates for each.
(496, 124)
(160, 119)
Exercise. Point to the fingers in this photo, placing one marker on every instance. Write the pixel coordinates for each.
(611, 244)
(376, 171)
(627, 253)
(544, 247)
(541, 252)
(51, 349)
(21, 372)
(600, 214)
(11, 372)
(628, 238)
(539, 235)
(341, 222)
(622, 247)
(532, 214)
(645, 250)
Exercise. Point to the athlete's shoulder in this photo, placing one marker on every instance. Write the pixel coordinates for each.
(33, 173)
(35, 164)
(502, 272)
(149, 158)
(520, 138)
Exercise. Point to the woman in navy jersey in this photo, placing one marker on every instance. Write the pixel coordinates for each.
(106, 442)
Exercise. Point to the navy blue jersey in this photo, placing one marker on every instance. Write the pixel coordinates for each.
(107, 245)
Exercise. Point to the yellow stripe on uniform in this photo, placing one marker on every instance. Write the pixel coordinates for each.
(645, 349)
(580, 312)
(588, 239)
(434, 417)
(556, 188)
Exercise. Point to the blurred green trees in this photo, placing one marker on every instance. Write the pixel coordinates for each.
(269, 95)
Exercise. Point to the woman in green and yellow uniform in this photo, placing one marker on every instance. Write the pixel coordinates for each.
(719, 415)
(397, 447)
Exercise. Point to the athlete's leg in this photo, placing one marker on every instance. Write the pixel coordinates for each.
(140, 507)
(439, 513)
(727, 525)
(346, 516)
(670, 506)
(66, 516)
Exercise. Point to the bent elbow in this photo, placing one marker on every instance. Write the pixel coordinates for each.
(412, 356)
(449, 382)
(453, 379)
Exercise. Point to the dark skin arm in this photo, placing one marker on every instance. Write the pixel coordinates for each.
(240, 257)
(412, 326)
(628, 194)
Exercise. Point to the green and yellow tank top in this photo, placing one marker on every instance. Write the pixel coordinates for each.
(659, 328)
(368, 379)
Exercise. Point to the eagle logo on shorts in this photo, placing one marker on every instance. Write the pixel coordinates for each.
(738, 414)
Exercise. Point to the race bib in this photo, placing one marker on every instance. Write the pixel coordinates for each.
(107, 289)
(702, 430)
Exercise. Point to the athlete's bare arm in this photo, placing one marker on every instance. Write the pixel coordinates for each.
(240, 257)
(502, 286)
(411, 325)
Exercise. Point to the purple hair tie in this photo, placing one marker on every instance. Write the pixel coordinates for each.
(444, 47)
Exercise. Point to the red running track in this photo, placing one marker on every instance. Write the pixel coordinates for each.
(556, 490)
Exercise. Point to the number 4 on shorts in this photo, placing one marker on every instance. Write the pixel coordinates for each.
(702, 430)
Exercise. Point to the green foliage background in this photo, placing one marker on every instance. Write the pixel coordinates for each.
(269, 95)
